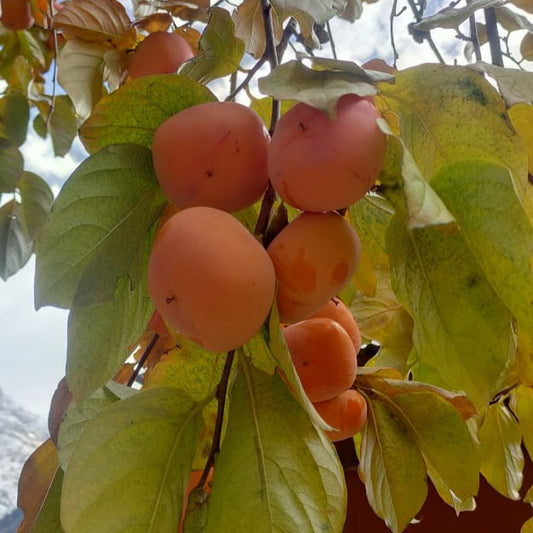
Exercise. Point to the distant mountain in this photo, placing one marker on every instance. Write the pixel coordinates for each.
(21, 432)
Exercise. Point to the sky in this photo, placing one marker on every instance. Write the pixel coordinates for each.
(33, 344)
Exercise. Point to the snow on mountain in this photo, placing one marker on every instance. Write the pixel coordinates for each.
(21, 432)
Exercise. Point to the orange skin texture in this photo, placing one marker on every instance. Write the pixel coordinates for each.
(212, 154)
(314, 257)
(317, 164)
(347, 412)
(159, 53)
(210, 278)
(337, 310)
(323, 355)
(16, 14)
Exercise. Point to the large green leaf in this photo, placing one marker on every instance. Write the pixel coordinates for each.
(448, 114)
(132, 113)
(15, 245)
(36, 202)
(275, 471)
(461, 327)
(78, 415)
(502, 459)
(392, 467)
(483, 200)
(129, 470)
(444, 440)
(99, 335)
(96, 228)
(11, 165)
(220, 51)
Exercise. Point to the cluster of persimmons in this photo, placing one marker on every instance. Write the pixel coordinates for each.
(213, 281)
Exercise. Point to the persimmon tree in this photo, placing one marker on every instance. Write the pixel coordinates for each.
(435, 264)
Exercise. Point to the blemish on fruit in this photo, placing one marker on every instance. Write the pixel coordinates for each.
(209, 173)
(339, 274)
(302, 126)
(170, 299)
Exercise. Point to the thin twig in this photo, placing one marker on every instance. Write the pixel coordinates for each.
(251, 73)
(474, 37)
(143, 359)
(54, 67)
(266, 209)
(331, 41)
(222, 389)
(393, 15)
(493, 37)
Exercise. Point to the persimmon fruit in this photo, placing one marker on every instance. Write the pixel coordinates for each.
(314, 256)
(212, 154)
(337, 310)
(323, 355)
(16, 14)
(319, 164)
(210, 278)
(347, 413)
(159, 53)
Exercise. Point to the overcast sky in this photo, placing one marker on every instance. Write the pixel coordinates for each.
(32, 344)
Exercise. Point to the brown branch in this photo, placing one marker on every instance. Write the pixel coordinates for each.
(143, 359)
(493, 37)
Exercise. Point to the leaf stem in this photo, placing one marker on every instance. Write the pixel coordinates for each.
(493, 37)
(222, 389)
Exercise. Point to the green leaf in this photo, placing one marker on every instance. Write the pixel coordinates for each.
(63, 125)
(392, 467)
(275, 471)
(15, 246)
(502, 459)
(483, 199)
(220, 51)
(48, 519)
(99, 335)
(11, 166)
(461, 327)
(444, 440)
(78, 415)
(132, 113)
(130, 468)
(320, 86)
(431, 101)
(319, 10)
(16, 116)
(81, 73)
(522, 406)
(36, 202)
(250, 26)
(92, 238)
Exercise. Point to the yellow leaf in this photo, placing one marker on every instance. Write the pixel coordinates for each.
(37, 474)
(97, 21)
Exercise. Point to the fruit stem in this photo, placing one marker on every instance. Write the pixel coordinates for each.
(143, 359)
(222, 389)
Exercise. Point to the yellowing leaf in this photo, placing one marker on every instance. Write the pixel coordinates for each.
(521, 116)
(527, 527)
(391, 467)
(48, 520)
(275, 470)
(526, 47)
(35, 478)
(132, 464)
(522, 406)
(81, 73)
(502, 459)
(98, 21)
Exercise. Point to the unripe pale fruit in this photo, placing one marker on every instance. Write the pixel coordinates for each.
(323, 355)
(159, 53)
(314, 257)
(337, 310)
(210, 278)
(16, 14)
(347, 413)
(212, 154)
(318, 164)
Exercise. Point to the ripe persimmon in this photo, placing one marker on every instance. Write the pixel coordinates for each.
(347, 413)
(16, 14)
(337, 310)
(314, 256)
(210, 278)
(212, 154)
(319, 164)
(159, 53)
(323, 355)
